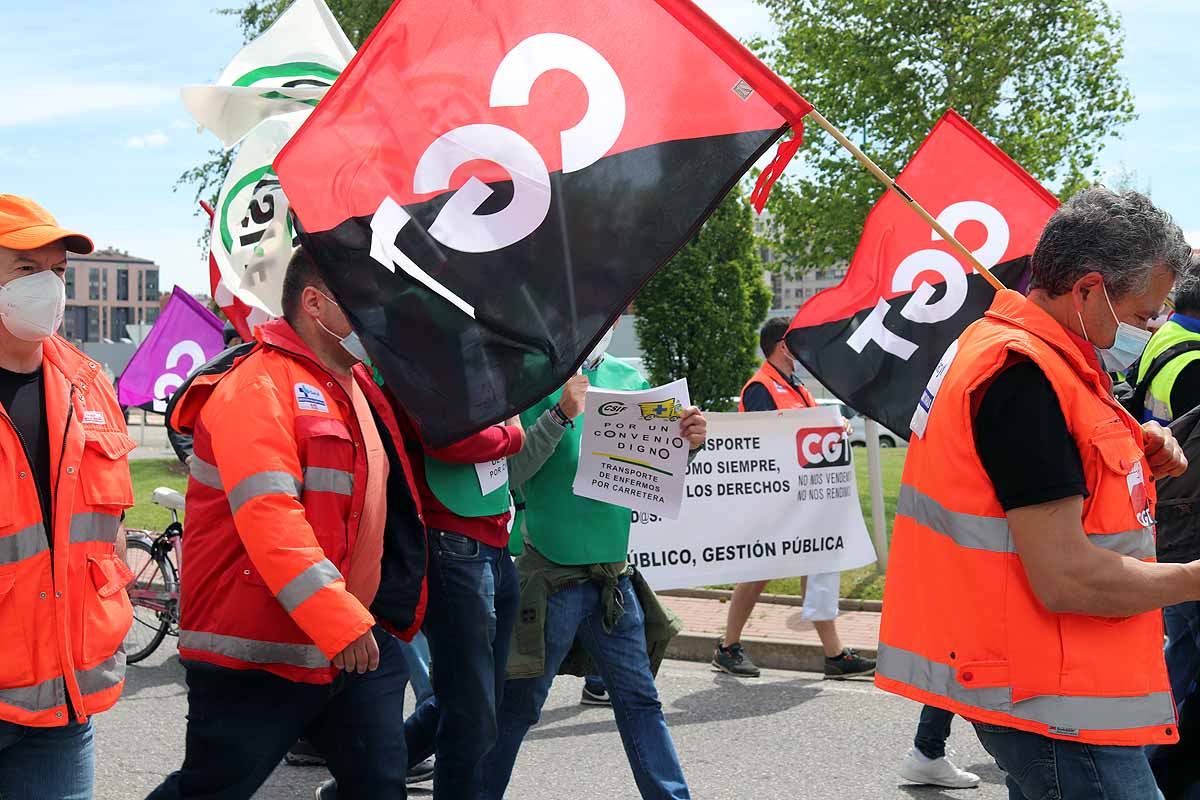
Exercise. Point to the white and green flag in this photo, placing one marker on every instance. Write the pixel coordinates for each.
(287, 69)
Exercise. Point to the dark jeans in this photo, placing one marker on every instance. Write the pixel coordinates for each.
(1041, 768)
(621, 658)
(932, 731)
(473, 598)
(46, 763)
(1177, 767)
(241, 722)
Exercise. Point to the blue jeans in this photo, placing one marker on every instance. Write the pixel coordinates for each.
(46, 763)
(473, 598)
(416, 656)
(1040, 768)
(932, 731)
(1177, 766)
(621, 658)
(241, 722)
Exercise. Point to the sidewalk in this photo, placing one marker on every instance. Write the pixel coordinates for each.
(776, 636)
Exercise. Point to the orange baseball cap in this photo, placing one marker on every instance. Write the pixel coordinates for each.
(24, 225)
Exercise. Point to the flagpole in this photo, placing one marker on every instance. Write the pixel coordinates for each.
(890, 182)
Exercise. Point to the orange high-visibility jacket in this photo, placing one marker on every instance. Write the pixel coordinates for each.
(278, 481)
(962, 629)
(63, 609)
(782, 391)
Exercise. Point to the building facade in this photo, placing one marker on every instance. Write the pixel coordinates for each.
(107, 290)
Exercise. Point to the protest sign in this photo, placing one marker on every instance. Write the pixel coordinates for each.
(631, 453)
(772, 495)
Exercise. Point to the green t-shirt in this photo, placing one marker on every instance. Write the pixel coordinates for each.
(566, 528)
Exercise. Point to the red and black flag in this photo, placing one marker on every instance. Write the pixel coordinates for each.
(488, 185)
(875, 339)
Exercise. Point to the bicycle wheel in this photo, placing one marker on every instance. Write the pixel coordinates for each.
(154, 587)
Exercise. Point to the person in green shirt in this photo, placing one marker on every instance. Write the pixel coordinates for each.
(575, 553)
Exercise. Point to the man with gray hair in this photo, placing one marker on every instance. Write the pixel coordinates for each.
(1022, 591)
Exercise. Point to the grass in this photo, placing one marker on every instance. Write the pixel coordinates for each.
(865, 583)
(148, 475)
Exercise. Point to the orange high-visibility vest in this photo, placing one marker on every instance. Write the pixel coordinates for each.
(63, 608)
(782, 391)
(962, 629)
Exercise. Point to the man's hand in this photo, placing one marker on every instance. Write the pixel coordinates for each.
(1163, 451)
(514, 422)
(848, 426)
(573, 395)
(361, 655)
(693, 427)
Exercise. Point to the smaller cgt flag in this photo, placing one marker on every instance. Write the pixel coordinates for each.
(488, 185)
(875, 339)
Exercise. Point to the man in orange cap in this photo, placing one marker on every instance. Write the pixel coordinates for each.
(63, 448)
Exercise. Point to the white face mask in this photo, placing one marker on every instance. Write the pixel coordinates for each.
(1128, 345)
(31, 307)
(597, 355)
(350, 342)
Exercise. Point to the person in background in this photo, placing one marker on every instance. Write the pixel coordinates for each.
(305, 542)
(777, 386)
(63, 608)
(576, 585)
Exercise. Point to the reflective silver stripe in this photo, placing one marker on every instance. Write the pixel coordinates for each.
(967, 530)
(51, 694)
(94, 527)
(323, 479)
(104, 675)
(1079, 713)
(205, 473)
(977, 532)
(308, 583)
(1137, 544)
(254, 651)
(23, 544)
(261, 484)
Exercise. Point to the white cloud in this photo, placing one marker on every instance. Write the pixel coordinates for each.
(183, 125)
(1193, 238)
(59, 97)
(155, 138)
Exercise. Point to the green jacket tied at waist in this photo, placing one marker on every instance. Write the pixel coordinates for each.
(541, 578)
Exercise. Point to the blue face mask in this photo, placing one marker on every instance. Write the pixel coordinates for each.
(1128, 346)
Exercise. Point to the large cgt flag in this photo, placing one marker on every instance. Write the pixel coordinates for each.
(875, 339)
(488, 185)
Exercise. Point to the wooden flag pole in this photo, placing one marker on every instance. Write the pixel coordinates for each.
(890, 182)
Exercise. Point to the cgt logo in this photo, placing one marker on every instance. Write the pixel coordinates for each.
(822, 447)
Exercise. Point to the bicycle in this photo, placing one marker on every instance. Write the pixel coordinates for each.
(154, 591)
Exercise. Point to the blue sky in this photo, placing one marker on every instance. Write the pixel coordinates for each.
(91, 124)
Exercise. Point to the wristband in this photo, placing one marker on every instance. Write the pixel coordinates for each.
(560, 417)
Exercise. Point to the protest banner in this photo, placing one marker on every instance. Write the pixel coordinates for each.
(772, 495)
(631, 453)
(183, 339)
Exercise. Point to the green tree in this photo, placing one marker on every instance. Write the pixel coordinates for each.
(1038, 77)
(357, 18)
(699, 316)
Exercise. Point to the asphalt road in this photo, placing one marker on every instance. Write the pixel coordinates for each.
(787, 735)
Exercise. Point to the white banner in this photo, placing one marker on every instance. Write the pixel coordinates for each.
(631, 453)
(773, 495)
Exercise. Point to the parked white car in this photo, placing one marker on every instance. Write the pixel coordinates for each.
(887, 438)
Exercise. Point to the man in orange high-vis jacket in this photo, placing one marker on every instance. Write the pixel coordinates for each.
(63, 447)
(1022, 592)
(304, 528)
(776, 386)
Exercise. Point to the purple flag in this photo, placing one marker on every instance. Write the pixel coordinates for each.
(185, 338)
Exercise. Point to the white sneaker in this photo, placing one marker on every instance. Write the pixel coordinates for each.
(917, 768)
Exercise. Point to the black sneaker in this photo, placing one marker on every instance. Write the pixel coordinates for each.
(595, 697)
(303, 754)
(733, 659)
(848, 665)
(419, 773)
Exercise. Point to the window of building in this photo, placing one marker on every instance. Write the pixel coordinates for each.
(75, 321)
(151, 315)
(152, 285)
(104, 284)
(122, 284)
(141, 287)
(93, 324)
(120, 316)
(70, 277)
(93, 284)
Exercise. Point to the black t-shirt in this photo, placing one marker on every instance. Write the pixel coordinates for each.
(757, 397)
(23, 399)
(1185, 392)
(1022, 439)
